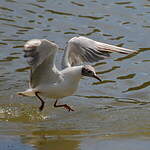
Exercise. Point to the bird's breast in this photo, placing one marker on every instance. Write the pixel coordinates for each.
(59, 90)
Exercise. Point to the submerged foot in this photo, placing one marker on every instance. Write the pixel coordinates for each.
(68, 107)
(64, 105)
(41, 107)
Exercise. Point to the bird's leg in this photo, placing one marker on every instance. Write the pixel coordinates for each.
(64, 105)
(42, 102)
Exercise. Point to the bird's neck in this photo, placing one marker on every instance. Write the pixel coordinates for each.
(74, 72)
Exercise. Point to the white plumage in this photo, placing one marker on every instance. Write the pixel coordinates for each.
(48, 81)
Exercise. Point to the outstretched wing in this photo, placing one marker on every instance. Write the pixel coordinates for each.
(82, 49)
(40, 55)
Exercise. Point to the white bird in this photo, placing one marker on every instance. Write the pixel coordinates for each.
(46, 80)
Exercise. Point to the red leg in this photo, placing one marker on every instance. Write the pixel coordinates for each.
(64, 105)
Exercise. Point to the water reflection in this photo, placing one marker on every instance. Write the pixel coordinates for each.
(45, 143)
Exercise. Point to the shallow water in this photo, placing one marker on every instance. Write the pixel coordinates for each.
(113, 114)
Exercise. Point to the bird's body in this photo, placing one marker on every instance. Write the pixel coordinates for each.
(47, 81)
(65, 86)
(61, 87)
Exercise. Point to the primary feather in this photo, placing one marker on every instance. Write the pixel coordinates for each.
(82, 49)
(40, 55)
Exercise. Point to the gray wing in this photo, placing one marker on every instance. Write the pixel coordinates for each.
(40, 54)
(82, 49)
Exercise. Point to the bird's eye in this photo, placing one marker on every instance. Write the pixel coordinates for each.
(89, 71)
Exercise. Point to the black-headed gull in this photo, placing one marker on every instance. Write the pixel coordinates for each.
(46, 80)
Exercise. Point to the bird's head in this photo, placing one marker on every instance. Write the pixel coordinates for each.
(89, 71)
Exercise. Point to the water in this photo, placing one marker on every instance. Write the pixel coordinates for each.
(110, 115)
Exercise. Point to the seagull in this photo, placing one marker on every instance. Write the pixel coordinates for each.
(48, 81)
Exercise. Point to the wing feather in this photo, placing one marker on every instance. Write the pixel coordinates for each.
(82, 49)
(40, 54)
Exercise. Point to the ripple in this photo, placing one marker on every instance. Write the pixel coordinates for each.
(12, 1)
(30, 11)
(139, 87)
(144, 49)
(15, 53)
(126, 22)
(6, 59)
(69, 32)
(36, 5)
(4, 8)
(123, 3)
(100, 63)
(50, 19)
(131, 100)
(74, 29)
(6, 19)
(109, 70)
(41, 0)
(59, 12)
(77, 3)
(104, 82)
(31, 21)
(120, 44)
(127, 56)
(104, 34)
(132, 7)
(129, 76)
(146, 26)
(93, 96)
(18, 26)
(117, 38)
(147, 5)
(1, 43)
(14, 40)
(22, 69)
(90, 17)
(90, 33)
(133, 54)
(145, 60)
(18, 46)
(23, 30)
(19, 32)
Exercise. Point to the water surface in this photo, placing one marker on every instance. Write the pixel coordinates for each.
(113, 114)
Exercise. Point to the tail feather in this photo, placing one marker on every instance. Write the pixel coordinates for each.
(28, 92)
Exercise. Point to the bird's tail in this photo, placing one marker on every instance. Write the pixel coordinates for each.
(28, 92)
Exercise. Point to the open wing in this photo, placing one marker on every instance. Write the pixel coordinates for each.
(82, 49)
(40, 55)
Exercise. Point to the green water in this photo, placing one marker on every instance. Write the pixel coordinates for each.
(110, 115)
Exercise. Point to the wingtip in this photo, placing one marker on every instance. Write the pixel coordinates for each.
(129, 51)
(20, 94)
(28, 92)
